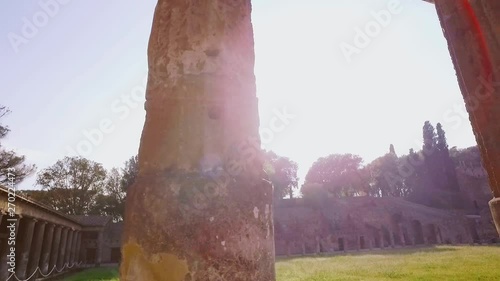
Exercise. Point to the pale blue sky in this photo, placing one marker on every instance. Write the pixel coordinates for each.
(81, 68)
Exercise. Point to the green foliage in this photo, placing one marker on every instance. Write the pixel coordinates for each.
(10, 162)
(441, 142)
(96, 274)
(129, 173)
(339, 174)
(78, 186)
(282, 173)
(385, 177)
(73, 184)
(429, 136)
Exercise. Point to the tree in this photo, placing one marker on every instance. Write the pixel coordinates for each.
(12, 166)
(119, 181)
(449, 174)
(283, 174)
(385, 179)
(73, 184)
(129, 173)
(431, 157)
(441, 142)
(339, 174)
(429, 136)
(111, 202)
(392, 150)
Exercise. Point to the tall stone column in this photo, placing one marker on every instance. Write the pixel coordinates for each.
(391, 239)
(54, 252)
(72, 258)
(23, 242)
(100, 242)
(36, 248)
(68, 247)
(200, 208)
(401, 235)
(47, 248)
(382, 238)
(78, 255)
(62, 248)
(318, 245)
(471, 29)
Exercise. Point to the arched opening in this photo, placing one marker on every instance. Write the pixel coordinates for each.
(386, 235)
(362, 243)
(431, 234)
(341, 244)
(440, 236)
(418, 232)
(472, 225)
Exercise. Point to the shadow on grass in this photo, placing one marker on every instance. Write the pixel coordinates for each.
(387, 251)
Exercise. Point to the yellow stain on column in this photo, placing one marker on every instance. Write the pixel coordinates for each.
(159, 267)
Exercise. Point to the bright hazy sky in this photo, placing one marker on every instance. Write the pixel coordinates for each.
(86, 64)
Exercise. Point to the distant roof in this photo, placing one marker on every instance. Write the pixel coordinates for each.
(4, 189)
(92, 220)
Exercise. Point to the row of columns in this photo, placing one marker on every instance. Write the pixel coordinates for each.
(38, 244)
(402, 235)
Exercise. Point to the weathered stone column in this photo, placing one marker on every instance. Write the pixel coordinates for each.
(72, 258)
(23, 242)
(47, 248)
(67, 253)
(318, 246)
(100, 242)
(382, 238)
(200, 208)
(471, 29)
(438, 239)
(391, 239)
(78, 255)
(54, 253)
(36, 250)
(401, 235)
(426, 240)
(62, 248)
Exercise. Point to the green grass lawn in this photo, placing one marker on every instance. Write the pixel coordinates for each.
(425, 264)
(101, 274)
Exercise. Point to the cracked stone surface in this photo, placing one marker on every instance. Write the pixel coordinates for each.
(472, 29)
(191, 214)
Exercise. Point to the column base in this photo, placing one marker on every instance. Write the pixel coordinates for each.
(495, 212)
(188, 226)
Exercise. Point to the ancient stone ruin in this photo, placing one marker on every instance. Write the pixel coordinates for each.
(200, 209)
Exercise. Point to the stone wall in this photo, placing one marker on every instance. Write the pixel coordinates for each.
(362, 223)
